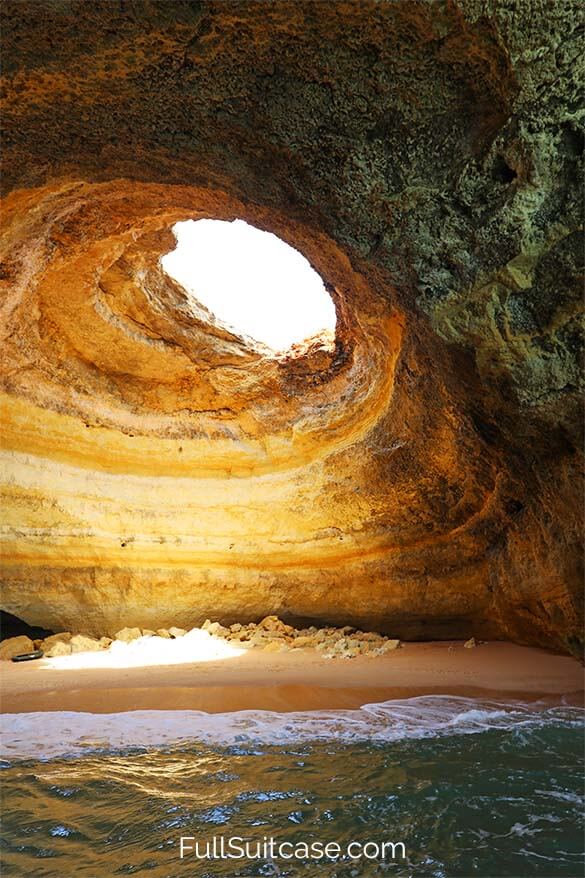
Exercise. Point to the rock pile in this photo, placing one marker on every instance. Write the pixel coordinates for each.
(269, 635)
(274, 635)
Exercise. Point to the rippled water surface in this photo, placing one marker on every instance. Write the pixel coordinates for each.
(484, 791)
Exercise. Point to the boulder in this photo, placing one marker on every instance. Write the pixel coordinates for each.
(344, 651)
(344, 648)
(369, 636)
(239, 636)
(58, 648)
(275, 646)
(163, 632)
(82, 643)
(15, 646)
(303, 642)
(52, 639)
(390, 645)
(147, 632)
(275, 625)
(259, 637)
(177, 632)
(126, 635)
(470, 644)
(105, 642)
(216, 629)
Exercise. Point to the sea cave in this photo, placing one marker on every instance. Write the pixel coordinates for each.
(372, 425)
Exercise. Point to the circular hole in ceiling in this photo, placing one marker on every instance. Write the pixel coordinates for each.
(253, 282)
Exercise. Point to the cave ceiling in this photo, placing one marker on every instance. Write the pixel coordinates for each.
(421, 476)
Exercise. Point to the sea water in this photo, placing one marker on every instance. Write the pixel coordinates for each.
(460, 787)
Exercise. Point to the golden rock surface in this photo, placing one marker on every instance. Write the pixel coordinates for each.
(419, 477)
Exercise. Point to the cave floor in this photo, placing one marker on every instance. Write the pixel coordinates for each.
(295, 680)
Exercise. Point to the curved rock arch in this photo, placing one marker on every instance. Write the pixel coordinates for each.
(419, 478)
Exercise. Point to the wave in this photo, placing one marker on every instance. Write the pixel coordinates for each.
(55, 734)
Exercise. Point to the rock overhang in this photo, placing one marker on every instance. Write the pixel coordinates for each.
(420, 478)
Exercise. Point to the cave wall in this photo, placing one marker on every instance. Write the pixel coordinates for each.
(424, 477)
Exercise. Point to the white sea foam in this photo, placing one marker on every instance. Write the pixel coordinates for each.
(49, 735)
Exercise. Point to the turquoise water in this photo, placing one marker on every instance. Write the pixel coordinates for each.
(469, 788)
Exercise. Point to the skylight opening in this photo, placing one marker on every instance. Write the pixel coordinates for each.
(253, 282)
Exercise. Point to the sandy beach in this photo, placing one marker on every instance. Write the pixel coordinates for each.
(296, 680)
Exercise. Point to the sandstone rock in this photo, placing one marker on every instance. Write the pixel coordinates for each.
(239, 636)
(369, 636)
(470, 644)
(163, 632)
(177, 632)
(15, 646)
(82, 643)
(275, 625)
(211, 626)
(61, 637)
(259, 637)
(147, 632)
(275, 646)
(339, 647)
(105, 642)
(341, 653)
(215, 628)
(390, 645)
(303, 642)
(58, 648)
(126, 635)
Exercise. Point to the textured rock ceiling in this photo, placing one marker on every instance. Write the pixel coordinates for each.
(424, 477)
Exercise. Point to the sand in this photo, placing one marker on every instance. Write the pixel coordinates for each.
(295, 680)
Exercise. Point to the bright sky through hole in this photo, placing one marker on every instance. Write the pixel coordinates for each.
(251, 280)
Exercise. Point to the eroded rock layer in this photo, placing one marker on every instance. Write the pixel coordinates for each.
(420, 477)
